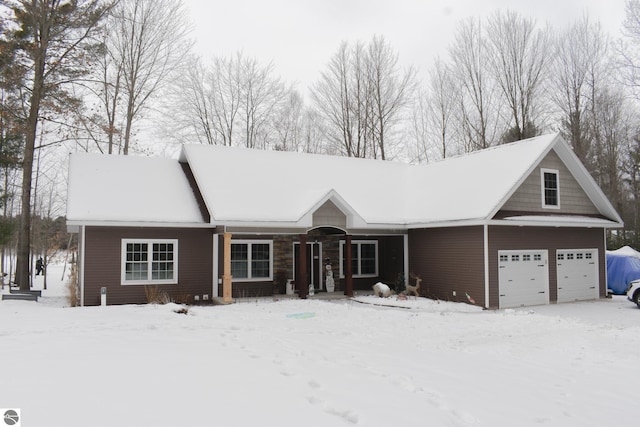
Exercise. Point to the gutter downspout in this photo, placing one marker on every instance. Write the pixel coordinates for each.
(606, 273)
(81, 255)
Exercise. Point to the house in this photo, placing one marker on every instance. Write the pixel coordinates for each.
(514, 225)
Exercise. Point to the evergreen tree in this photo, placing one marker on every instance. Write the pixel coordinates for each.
(47, 40)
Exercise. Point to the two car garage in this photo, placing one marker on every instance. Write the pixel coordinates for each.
(524, 276)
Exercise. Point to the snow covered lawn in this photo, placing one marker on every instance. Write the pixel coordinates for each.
(319, 363)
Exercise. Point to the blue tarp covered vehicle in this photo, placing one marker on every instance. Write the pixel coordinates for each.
(623, 267)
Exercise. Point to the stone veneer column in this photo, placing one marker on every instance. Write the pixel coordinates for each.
(348, 270)
(301, 274)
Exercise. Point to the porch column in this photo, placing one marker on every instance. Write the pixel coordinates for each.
(301, 273)
(226, 271)
(348, 273)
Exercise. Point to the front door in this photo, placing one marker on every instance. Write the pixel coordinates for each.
(314, 264)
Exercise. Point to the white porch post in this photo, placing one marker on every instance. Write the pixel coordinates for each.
(216, 268)
(80, 262)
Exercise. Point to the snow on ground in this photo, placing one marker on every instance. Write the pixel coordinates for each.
(318, 363)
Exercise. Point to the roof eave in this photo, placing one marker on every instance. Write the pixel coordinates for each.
(582, 223)
(76, 224)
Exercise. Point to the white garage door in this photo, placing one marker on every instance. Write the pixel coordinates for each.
(577, 274)
(523, 278)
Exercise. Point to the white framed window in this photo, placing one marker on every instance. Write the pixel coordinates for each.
(550, 188)
(364, 258)
(251, 260)
(149, 261)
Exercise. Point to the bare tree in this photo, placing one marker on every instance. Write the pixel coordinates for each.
(419, 131)
(331, 95)
(479, 104)
(147, 43)
(232, 101)
(48, 37)
(362, 95)
(391, 91)
(225, 94)
(613, 125)
(519, 61)
(289, 123)
(261, 94)
(629, 47)
(578, 74)
(444, 98)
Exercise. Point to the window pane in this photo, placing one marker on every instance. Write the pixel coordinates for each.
(160, 269)
(260, 256)
(239, 269)
(367, 258)
(550, 189)
(239, 260)
(259, 268)
(239, 252)
(355, 257)
(136, 261)
(259, 251)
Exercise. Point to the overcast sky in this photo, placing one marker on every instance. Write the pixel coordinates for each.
(300, 36)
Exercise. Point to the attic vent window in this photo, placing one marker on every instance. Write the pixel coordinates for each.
(550, 189)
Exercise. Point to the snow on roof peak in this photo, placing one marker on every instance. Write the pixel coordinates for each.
(240, 184)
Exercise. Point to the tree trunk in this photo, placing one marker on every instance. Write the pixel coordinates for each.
(24, 242)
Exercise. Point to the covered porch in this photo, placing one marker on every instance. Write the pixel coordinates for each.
(324, 261)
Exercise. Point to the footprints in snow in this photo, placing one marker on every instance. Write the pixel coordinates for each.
(348, 415)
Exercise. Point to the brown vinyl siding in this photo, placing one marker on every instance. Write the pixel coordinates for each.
(550, 238)
(528, 198)
(102, 266)
(448, 260)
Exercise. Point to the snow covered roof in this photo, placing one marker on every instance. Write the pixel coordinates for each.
(254, 187)
(130, 189)
(244, 185)
(472, 186)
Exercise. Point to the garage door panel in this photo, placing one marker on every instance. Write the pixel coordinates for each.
(523, 278)
(577, 273)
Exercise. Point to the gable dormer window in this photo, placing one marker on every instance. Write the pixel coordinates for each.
(550, 188)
